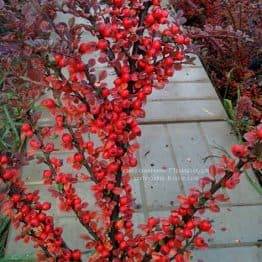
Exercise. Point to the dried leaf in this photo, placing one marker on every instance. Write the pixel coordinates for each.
(102, 75)
(91, 62)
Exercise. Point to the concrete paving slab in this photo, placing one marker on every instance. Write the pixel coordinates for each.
(190, 74)
(183, 111)
(184, 91)
(190, 150)
(160, 182)
(221, 134)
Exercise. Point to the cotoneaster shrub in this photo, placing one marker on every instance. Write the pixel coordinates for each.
(143, 44)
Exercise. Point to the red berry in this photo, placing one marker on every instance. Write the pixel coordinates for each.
(112, 167)
(36, 144)
(58, 58)
(179, 258)
(67, 138)
(49, 103)
(205, 226)
(199, 242)
(86, 218)
(259, 133)
(190, 225)
(123, 244)
(119, 237)
(3, 159)
(187, 233)
(149, 20)
(34, 222)
(16, 198)
(174, 29)
(123, 201)
(46, 206)
(78, 157)
(102, 44)
(180, 39)
(239, 150)
(118, 3)
(49, 147)
(41, 217)
(152, 221)
(9, 174)
(26, 127)
(105, 92)
(165, 249)
(179, 56)
(76, 255)
(132, 161)
(29, 133)
(174, 219)
(47, 174)
(43, 236)
(85, 48)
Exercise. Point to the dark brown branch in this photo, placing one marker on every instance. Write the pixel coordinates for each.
(115, 214)
(141, 29)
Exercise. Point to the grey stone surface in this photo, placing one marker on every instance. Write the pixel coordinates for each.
(190, 74)
(190, 150)
(184, 91)
(73, 232)
(183, 111)
(161, 184)
(239, 224)
(221, 134)
(17, 247)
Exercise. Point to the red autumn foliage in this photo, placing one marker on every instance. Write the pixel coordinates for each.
(228, 34)
(144, 45)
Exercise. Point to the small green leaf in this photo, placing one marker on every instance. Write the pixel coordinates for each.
(257, 187)
(4, 223)
(89, 252)
(19, 258)
(238, 93)
(10, 95)
(71, 21)
(59, 187)
(229, 108)
(12, 124)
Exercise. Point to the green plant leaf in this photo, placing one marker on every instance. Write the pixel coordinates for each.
(4, 223)
(254, 184)
(59, 187)
(4, 144)
(19, 258)
(12, 124)
(229, 108)
(238, 93)
(89, 252)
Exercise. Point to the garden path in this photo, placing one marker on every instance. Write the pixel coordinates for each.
(183, 124)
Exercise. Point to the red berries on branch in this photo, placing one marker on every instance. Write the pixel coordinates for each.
(239, 151)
